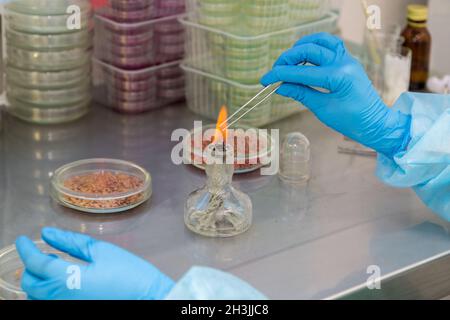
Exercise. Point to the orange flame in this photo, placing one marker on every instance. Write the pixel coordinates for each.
(221, 126)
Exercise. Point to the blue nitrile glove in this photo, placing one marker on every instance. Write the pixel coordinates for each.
(110, 272)
(350, 104)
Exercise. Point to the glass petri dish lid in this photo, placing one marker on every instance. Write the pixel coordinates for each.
(11, 269)
(101, 185)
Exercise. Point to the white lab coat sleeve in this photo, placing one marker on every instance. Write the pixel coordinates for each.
(202, 283)
(425, 164)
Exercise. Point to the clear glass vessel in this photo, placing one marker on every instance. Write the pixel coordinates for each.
(218, 209)
(295, 157)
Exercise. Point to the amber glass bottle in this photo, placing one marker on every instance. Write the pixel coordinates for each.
(418, 39)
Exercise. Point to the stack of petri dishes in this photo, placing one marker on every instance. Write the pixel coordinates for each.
(231, 44)
(258, 15)
(48, 59)
(138, 48)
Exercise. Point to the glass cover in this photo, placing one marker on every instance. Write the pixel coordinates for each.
(295, 156)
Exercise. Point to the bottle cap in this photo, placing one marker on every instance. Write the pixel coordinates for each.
(417, 13)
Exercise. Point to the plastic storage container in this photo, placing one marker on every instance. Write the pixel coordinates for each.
(206, 93)
(131, 11)
(135, 91)
(257, 16)
(139, 45)
(48, 63)
(244, 59)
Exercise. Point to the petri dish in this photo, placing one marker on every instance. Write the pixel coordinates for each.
(126, 39)
(170, 72)
(129, 16)
(244, 161)
(43, 24)
(217, 21)
(127, 75)
(47, 80)
(131, 96)
(11, 269)
(171, 83)
(51, 97)
(130, 5)
(129, 63)
(168, 25)
(172, 94)
(130, 86)
(248, 64)
(134, 107)
(127, 51)
(171, 49)
(101, 185)
(259, 52)
(274, 10)
(266, 23)
(246, 76)
(175, 38)
(56, 60)
(47, 115)
(51, 7)
(40, 41)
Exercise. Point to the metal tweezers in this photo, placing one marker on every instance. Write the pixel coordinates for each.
(264, 94)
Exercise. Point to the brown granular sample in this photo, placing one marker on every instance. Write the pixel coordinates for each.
(246, 146)
(104, 183)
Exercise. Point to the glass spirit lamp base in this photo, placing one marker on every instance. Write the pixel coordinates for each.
(218, 209)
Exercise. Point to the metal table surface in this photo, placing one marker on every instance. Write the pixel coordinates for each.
(306, 242)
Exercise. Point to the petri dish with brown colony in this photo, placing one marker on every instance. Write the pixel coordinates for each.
(101, 185)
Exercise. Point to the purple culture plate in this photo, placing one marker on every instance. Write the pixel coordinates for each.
(131, 96)
(170, 83)
(131, 5)
(130, 40)
(132, 85)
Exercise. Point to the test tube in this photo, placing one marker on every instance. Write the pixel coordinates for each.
(295, 156)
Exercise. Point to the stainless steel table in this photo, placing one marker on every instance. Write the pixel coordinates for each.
(306, 242)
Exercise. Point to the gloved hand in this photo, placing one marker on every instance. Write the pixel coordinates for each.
(349, 104)
(109, 273)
